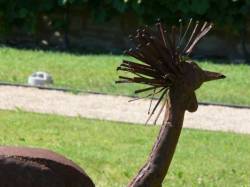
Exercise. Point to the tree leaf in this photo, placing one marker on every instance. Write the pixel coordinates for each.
(62, 2)
(200, 6)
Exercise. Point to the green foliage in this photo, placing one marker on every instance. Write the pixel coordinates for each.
(232, 13)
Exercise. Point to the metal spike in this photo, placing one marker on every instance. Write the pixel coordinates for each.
(191, 37)
(180, 33)
(185, 33)
(158, 102)
(151, 102)
(203, 33)
(160, 111)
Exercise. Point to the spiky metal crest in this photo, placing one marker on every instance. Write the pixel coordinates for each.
(160, 53)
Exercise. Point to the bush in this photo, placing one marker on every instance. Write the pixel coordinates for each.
(227, 13)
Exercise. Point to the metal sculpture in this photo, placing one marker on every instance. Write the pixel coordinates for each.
(30, 167)
(165, 68)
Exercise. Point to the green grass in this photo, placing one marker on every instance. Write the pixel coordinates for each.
(111, 153)
(98, 73)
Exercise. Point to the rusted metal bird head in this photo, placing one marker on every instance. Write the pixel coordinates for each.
(164, 61)
(192, 78)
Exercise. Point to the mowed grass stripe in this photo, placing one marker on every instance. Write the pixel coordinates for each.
(111, 153)
(98, 73)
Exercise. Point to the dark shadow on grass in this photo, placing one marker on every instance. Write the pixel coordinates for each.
(62, 49)
(99, 51)
(219, 60)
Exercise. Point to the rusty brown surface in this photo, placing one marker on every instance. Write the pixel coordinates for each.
(167, 70)
(32, 167)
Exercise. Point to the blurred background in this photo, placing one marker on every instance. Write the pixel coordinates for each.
(103, 26)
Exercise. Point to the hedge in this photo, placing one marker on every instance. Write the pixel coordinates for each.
(232, 14)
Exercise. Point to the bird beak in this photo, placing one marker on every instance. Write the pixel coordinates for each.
(209, 76)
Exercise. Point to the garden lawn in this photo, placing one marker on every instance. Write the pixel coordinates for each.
(112, 153)
(98, 73)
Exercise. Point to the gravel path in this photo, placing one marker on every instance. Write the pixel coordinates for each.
(117, 108)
